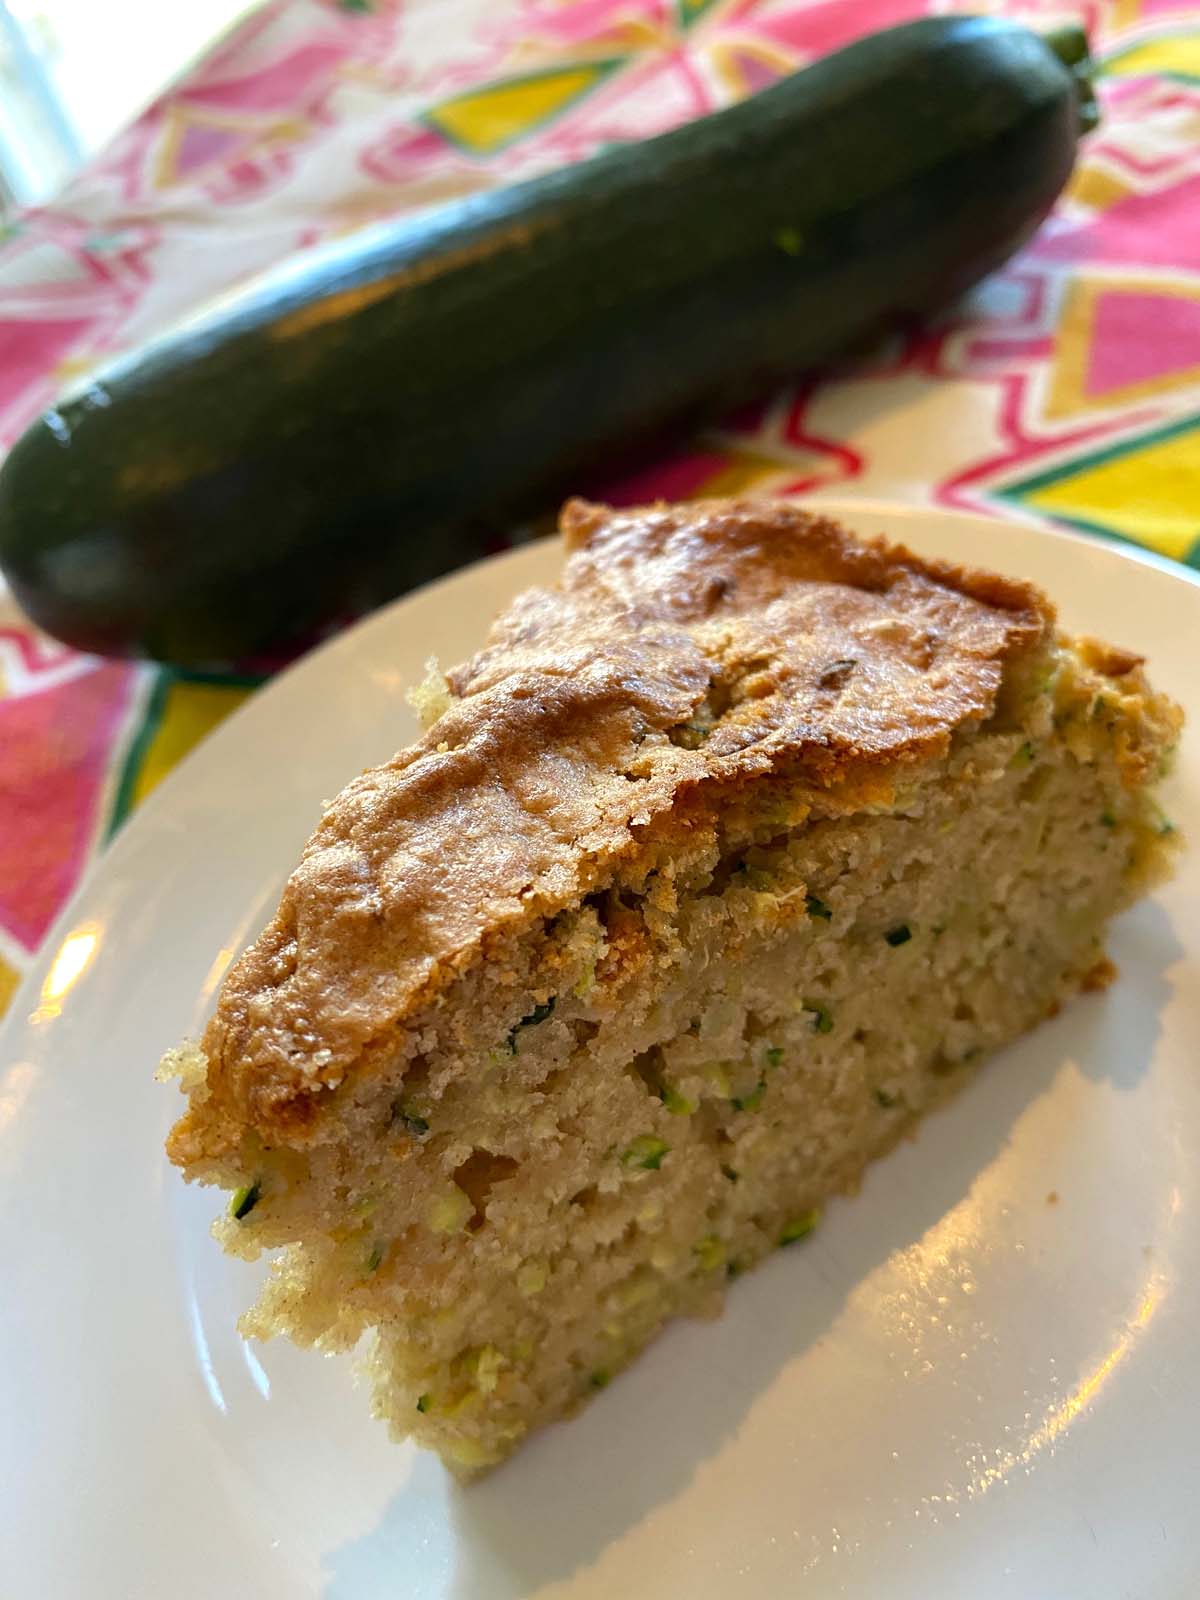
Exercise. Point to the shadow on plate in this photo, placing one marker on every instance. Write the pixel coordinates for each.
(575, 1488)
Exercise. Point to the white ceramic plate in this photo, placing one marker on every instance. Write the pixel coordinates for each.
(956, 1388)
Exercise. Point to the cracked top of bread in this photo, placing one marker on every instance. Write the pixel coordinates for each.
(686, 652)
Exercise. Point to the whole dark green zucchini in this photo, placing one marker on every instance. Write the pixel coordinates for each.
(371, 416)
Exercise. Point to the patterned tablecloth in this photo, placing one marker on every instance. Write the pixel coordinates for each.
(1068, 389)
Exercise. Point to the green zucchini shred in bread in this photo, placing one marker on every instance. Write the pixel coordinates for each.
(800, 1227)
(645, 1152)
(243, 1200)
(720, 865)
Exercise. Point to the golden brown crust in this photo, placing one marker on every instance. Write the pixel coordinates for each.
(766, 636)
(1099, 976)
(1110, 660)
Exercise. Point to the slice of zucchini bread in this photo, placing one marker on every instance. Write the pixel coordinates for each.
(721, 863)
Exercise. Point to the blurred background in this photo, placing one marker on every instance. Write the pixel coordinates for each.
(73, 71)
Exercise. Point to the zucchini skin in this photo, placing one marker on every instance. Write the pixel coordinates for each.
(369, 417)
